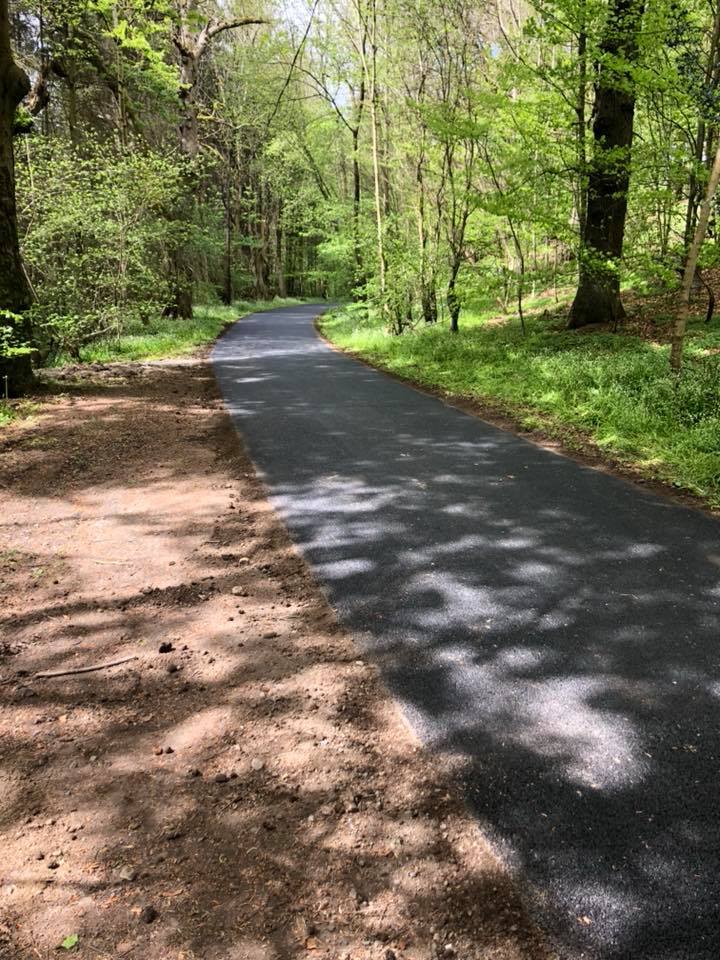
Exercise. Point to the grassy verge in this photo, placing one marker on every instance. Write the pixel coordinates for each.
(614, 390)
(168, 337)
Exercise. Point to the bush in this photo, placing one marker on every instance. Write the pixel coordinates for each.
(98, 231)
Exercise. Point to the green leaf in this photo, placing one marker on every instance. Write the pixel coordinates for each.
(70, 942)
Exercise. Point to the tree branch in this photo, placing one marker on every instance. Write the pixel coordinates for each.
(215, 26)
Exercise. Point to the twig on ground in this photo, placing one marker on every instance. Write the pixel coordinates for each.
(66, 673)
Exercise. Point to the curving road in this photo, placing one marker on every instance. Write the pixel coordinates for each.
(558, 626)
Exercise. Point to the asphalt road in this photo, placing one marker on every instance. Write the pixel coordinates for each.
(558, 626)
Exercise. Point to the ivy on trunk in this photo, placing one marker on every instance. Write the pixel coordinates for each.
(14, 291)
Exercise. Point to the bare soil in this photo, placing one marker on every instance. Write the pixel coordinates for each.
(251, 793)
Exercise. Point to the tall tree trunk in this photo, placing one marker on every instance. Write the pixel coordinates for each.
(453, 301)
(282, 287)
(359, 105)
(598, 296)
(691, 265)
(356, 203)
(581, 120)
(428, 299)
(371, 74)
(14, 290)
(712, 77)
(227, 291)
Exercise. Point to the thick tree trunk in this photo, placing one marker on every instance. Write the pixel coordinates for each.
(14, 291)
(188, 129)
(598, 296)
(429, 302)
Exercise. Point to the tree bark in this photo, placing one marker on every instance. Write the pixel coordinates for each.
(356, 203)
(691, 265)
(453, 301)
(712, 77)
(370, 71)
(581, 120)
(227, 291)
(598, 296)
(14, 289)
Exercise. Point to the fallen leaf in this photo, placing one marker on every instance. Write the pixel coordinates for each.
(70, 942)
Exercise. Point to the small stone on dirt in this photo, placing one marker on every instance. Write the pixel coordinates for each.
(166, 647)
(127, 873)
(257, 764)
(221, 778)
(172, 668)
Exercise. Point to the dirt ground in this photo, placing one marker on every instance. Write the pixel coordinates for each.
(243, 788)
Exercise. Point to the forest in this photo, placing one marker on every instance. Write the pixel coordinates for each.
(509, 200)
(359, 479)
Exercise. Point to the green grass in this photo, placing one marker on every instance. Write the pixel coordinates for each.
(613, 389)
(168, 337)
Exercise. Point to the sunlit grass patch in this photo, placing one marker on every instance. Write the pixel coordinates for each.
(165, 337)
(614, 388)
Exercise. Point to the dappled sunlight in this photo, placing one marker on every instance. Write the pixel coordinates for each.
(252, 784)
(549, 623)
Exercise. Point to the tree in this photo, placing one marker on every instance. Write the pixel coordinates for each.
(14, 289)
(192, 46)
(691, 262)
(598, 295)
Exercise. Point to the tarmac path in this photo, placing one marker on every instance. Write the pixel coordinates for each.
(558, 626)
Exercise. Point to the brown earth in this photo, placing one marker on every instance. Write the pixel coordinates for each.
(251, 794)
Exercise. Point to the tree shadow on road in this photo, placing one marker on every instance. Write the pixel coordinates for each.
(553, 625)
(295, 815)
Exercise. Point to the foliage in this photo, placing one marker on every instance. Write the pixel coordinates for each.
(421, 157)
(97, 234)
(10, 344)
